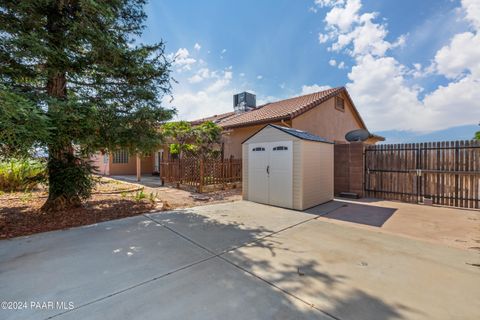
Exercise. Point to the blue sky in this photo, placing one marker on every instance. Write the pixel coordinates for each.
(404, 62)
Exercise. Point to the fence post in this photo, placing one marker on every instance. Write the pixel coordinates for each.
(200, 184)
(161, 173)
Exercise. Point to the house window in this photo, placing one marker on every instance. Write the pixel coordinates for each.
(120, 156)
(279, 148)
(258, 149)
(339, 103)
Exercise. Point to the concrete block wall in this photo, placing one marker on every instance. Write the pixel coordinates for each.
(341, 156)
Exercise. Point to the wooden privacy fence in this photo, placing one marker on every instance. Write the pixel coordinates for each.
(448, 173)
(198, 172)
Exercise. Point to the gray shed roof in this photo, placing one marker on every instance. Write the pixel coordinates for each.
(294, 132)
(301, 134)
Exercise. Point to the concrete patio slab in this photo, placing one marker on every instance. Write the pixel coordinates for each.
(454, 227)
(282, 262)
(225, 226)
(354, 273)
(213, 289)
(87, 263)
(146, 179)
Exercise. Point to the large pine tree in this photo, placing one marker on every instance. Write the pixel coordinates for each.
(77, 64)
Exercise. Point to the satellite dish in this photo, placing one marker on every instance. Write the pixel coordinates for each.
(357, 135)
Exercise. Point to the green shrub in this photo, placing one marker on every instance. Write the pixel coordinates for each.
(152, 197)
(72, 178)
(139, 195)
(21, 174)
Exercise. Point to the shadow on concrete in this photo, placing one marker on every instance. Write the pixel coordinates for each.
(325, 290)
(295, 277)
(207, 231)
(370, 215)
(220, 290)
(358, 304)
(158, 261)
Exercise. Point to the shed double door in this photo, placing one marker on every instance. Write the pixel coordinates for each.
(270, 173)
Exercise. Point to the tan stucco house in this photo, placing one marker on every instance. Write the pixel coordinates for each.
(329, 114)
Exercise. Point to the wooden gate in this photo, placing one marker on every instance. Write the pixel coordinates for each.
(448, 173)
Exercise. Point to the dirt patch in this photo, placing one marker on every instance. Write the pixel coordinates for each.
(20, 211)
(18, 218)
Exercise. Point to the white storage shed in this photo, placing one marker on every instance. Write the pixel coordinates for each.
(288, 168)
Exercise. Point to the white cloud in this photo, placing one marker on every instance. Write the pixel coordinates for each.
(472, 12)
(197, 46)
(460, 56)
(306, 89)
(356, 31)
(328, 3)
(379, 90)
(259, 77)
(202, 74)
(182, 55)
(199, 104)
(213, 98)
(223, 51)
(342, 17)
(335, 63)
(182, 59)
(221, 82)
(195, 79)
(400, 42)
(200, 91)
(266, 99)
(366, 37)
(322, 38)
(382, 87)
(455, 104)
(369, 37)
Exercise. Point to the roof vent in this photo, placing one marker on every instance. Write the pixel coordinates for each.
(244, 102)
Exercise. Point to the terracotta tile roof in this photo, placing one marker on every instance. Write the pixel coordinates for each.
(214, 118)
(276, 111)
(280, 110)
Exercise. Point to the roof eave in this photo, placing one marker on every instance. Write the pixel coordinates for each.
(310, 106)
(355, 110)
(377, 137)
(257, 122)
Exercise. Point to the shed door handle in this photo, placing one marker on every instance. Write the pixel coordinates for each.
(268, 169)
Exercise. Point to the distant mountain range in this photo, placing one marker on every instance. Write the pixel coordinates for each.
(466, 132)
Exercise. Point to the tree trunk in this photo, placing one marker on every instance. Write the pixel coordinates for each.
(59, 152)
